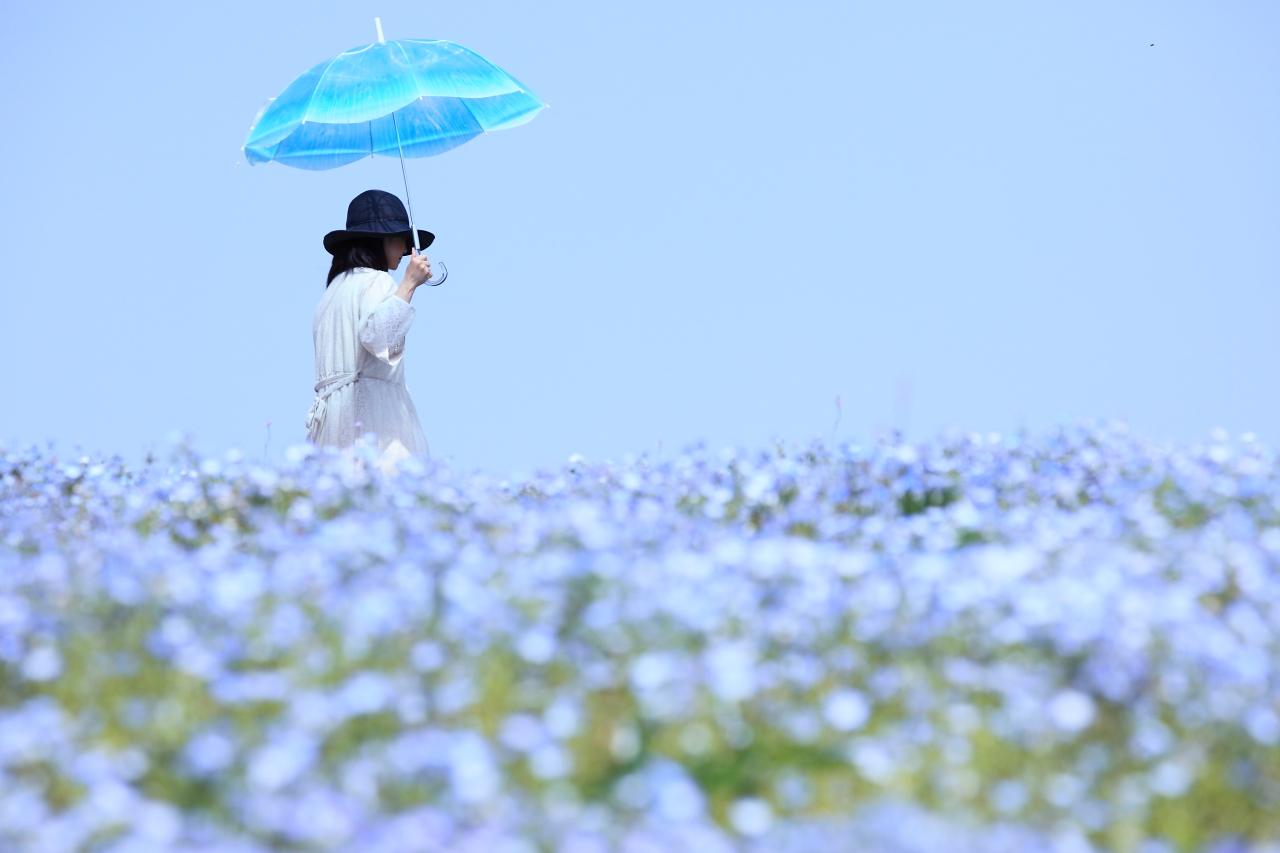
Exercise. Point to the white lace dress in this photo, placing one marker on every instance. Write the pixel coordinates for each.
(359, 330)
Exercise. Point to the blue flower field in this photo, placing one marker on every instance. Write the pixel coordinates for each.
(985, 642)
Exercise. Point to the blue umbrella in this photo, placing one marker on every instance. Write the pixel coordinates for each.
(411, 97)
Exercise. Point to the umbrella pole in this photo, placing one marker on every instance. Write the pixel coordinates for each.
(377, 22)
(408, 202)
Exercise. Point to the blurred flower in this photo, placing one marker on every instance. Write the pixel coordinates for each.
(751, 816)
(846, 709)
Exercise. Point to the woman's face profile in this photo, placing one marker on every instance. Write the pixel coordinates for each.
(396, 247)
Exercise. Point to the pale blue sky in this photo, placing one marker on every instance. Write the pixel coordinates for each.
(981, 215)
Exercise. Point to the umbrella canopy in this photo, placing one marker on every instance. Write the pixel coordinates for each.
(407, 98)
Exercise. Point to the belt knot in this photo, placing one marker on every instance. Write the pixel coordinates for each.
(325, 387)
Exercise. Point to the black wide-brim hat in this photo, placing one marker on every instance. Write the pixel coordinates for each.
(375, 213)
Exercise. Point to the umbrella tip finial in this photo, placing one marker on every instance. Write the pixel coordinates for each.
(377, 22)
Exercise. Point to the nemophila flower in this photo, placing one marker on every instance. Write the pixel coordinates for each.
(563, 717)
(154, 826)
(874, 760)
(22, 809)
(846, 709)
(522, 732)
(473, 772)
(209, 752)
(235, 588)
(42, 663)
(677, 797)
(236, 688)
(1263, 723)
(361, 775)
(1171, 778)
(536, 646)
(751, 816)
(1071, 710)
(652, 670)
(365, 693)
(550, 761)
(286, 756)
(316, 816)
(1008, 796)
(730, 667)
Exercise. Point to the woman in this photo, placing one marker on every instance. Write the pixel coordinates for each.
(359, 330)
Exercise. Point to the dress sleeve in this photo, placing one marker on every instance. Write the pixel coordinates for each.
(384, 319)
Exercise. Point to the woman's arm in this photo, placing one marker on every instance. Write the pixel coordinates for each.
(418, 271)
(385, 318)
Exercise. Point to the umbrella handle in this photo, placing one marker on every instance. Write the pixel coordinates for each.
(436, 282)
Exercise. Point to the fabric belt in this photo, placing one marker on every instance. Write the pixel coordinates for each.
(325, 387)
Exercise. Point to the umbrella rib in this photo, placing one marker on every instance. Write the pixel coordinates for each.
(316, 87)
(413, 72)
(466, 105)
(417, 86)
(520, 87)
(275, 148)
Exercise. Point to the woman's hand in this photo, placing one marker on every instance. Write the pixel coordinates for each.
(418, 271)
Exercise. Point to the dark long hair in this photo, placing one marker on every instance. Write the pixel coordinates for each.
(358, 252)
